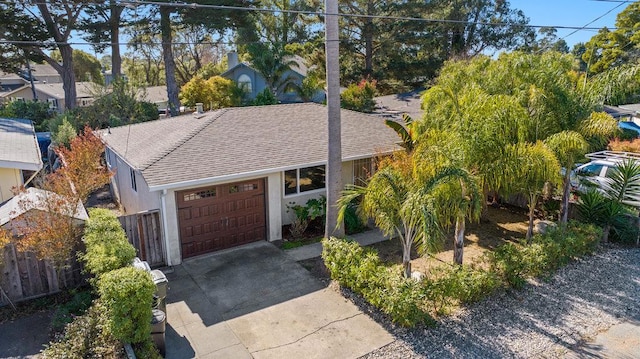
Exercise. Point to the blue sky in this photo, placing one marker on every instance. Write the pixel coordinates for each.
(570, 13)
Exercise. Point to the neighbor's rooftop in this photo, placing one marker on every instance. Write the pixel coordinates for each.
(18, 145)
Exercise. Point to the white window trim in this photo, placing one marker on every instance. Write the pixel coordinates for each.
(134, 184)
(298, 193)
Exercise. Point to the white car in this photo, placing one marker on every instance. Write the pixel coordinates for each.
(596, 174)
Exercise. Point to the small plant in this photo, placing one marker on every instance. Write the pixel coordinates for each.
(65, 313)
(303, 215)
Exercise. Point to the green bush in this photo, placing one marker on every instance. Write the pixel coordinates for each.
(106, 244)
(360, 97)
(545, 254)
(360, 269)
(87, 336)
(352, 222)
(65, 313)
(264, 98)
(37, 111)
(146, 350)
(128, 295)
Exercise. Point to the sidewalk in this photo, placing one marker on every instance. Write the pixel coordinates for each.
(315, 250)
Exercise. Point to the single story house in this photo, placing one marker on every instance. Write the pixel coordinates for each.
(53, 93)
(243, 74)
(36, 199)
(224, 178)
(19, 155)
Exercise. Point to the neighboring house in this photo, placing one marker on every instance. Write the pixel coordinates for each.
(154, 94)
(396, 105)
(19, 155)
(10, 82)
(224, 178)
(42, 73)
(53, 93)
(36, 199)
(254, 83)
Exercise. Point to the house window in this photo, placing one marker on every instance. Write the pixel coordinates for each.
(211, 192)
(132, 172)
(244, 82)
(243, 188)
(53, 103)
(304, 179)
(363, 169)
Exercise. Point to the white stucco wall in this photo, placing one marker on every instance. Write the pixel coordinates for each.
(9, 178)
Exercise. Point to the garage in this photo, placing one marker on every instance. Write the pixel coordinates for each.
(221, 216)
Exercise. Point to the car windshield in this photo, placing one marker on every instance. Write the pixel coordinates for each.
(591, 170)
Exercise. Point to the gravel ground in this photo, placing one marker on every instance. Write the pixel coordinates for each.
(546, 319)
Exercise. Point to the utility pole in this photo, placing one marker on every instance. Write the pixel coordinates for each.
(334, 140)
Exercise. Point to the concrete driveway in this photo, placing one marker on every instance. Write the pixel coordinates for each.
(256, 302)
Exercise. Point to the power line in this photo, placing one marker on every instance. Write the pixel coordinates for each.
(322, 13)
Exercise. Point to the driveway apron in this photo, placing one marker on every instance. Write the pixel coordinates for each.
(255, 301)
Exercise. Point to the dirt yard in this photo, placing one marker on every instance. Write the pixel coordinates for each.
(500, 226)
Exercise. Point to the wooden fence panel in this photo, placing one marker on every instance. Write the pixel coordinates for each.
(23, 276)
(144, 232)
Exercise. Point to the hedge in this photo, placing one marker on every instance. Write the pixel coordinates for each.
(409, 302)
(106, 243)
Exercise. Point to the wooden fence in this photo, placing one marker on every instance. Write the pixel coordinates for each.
(23, 276)
(145, 234)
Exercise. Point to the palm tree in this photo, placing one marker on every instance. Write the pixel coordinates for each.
(272, 62)
(530, 167)
(568, 147)
(404, 205)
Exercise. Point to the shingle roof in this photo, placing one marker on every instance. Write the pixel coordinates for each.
(35, 198)
(396, 105)
(243, 140)
(18, 145)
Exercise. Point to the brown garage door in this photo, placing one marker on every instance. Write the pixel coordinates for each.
(219, 217)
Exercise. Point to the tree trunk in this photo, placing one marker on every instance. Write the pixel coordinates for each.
(334, 160)
(406, 259)
(532, 208)
(566, 191)
(114, 23)
(458, 243)
(368, 41)
(68, 77)
(169, 62)
(605, 233)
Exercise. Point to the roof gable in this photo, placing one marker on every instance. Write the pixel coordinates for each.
(35, 199)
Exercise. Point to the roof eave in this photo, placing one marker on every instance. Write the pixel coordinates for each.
(243, 175)
(27, 166)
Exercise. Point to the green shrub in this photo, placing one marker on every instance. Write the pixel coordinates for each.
(128, 295)
(545, 254)
(352, 222)
(360, 97)
(360, 269)
(266, 97)
(64, 133)
(146, 350)
(106, 244)
(87, 336)
(37, 111)
(65, 313)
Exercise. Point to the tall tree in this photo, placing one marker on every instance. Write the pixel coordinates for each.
(169, 62)
(612, 48)
(472, 32)
(58, 20)
(16, 25)
(85, 66)
(101, 24)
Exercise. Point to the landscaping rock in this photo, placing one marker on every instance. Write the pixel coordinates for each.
(550, 319)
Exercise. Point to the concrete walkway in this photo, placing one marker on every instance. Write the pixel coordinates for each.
(256, 302)
(315, 250)
(25, 337)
